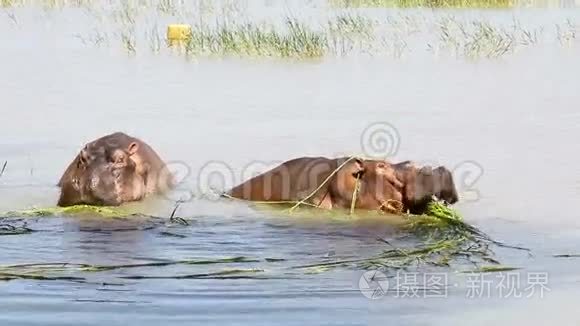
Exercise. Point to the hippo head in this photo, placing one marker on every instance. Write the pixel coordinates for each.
(378, 184)
(104, 176)
(422, 184)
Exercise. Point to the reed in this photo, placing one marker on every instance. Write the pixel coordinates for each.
(224, 29)
(444, 240)
(3, 168)
(471, 4)
(227, 39)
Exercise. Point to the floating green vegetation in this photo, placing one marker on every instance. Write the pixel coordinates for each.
(54, 271)
(566, 256)
(236, 273)
(441, 239)
(426, 3)
(77, 210)
(10, 229)
(444, 240)
(492, 269)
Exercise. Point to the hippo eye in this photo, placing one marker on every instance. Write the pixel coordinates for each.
(119, 158)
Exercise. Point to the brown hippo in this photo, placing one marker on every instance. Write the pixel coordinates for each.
(112, 170)
(380, 182)
(422, 184)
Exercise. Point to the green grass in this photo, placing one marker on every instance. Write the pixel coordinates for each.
(351, 24)
(294, 40)
(224, 29)
(251, 40)
(478, 39)
(426, 3)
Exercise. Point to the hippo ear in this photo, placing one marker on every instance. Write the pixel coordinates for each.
(133, 148)
(359, 168)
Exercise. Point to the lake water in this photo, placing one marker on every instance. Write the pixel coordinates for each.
(506, 126)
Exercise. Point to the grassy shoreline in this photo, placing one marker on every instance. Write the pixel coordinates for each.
(342, 28)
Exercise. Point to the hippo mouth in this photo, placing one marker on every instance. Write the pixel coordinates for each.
(432, 185)
(112, 187)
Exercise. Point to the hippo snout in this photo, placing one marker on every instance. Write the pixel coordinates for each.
(444, 185)
(104, 188)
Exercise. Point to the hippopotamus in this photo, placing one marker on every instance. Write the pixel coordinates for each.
(113, 170)
(330, 183)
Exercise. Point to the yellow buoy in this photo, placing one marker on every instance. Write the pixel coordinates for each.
(178, 32)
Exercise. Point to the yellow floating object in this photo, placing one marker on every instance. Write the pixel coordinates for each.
(178, 32)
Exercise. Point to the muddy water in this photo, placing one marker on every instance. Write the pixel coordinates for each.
(508, 128)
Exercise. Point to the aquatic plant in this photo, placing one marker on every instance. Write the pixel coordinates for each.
(351, 24)
(566, 33)
(566, 256)
(426, 3)
(7, 3)
(256, 40)
(129, 41)
(442, 240)
(54, 271)
(7, 228)
(223, 29)
(77, 210)
(474, 40)
(3, 168)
